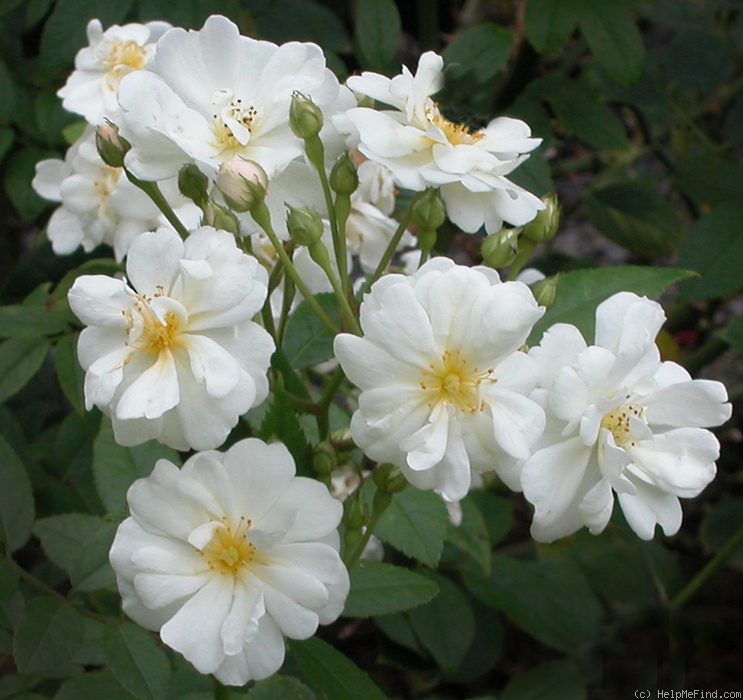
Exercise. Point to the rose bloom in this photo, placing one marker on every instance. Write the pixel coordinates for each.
(444, 389)
(172, 353)
(98, 204)
(91, 88)
(423, 149)
(228, 554)
(212, 95)
(619, 420)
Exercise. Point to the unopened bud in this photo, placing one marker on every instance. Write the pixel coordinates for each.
(221, 218)
(324, 460)
(343, 177)
(111, 147)
(355, 512)
(545, 290)
(243, 184)
(544, 225)
(305, 117)
(389, 478)
(500, 249)
(304, 225)
(194, 184)
(428, 210)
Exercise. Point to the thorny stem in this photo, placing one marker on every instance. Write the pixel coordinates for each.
(153, 192)
(262, 217)
(712, 565)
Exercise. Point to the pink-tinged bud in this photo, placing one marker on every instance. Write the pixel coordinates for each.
(243, 184)
(111, 147)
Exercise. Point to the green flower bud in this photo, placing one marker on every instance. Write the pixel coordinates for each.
(305, 226)
(220, 218)
(500, 249)
(428, 211)
(389, 479)
(111, 147)
(544, 226)
(193, 184)
(324, 459)
(305, 117)
(545, 290)
(243, 184)
(343, 177)
(355, 512)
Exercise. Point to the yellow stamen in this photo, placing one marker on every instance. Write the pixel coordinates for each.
(454, 382)
(617, 422)
(228, 552)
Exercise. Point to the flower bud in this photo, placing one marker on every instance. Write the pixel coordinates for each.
(343, 177)
(111, 147)
(545, 290)
(428, 210)
(500, 249)
(355, 512)
(305, 117)
(243, 183)
(389, 479)
(305, 226)
(324, 459)
(193, 184)
(221, 218)
(544, 226)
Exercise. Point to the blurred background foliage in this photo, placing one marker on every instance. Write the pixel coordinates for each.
(640, 107)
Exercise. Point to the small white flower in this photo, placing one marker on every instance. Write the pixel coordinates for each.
(443, 386)
(98, 203)
(91, 88)
(229, 554)
(619, 419)
(175, 356)
(423, 149)
(211, 96)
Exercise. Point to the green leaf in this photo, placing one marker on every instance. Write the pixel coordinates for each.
(582, 114)
(8, 91)
(137, 661)
(556, 680)
(280, 688)
(445, 627)
(482, 50)
(93, 684)
(70, 374)
(708, 180)
(549, 600)
(17, 509)
(612, 35)
(635, 216)
(79, 543)
(471, 536)
(47, 635)
(9, 578)
(331, 674)
(64, 30)
(415, 523)
(190, 14)
(21, 321)
(579, 292)
(7, 136)
(549, 23)
(20, 360)
(714, 249)
(306, 340)
(719, 525)
(487, 645)
(301, 20)
(496, 511)
(733, 333)
(382, 589)
(281, 423)
(534, 174)
(377, 34)
(19, 171)
(116, 468)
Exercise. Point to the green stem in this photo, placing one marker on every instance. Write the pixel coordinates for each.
(326, 398)
(319, 253)
(221, 692)
(712, 565)
(382, 500)
(526, 249)
(342, 212)
(153, 192)
(392, 245)
(262, 217)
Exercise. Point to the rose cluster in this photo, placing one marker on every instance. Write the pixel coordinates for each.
(195, 144)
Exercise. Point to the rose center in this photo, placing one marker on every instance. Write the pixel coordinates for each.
(146, 331)
(617, 422)
(454, 381)
(124, 53)
(455, 134)
(229, 550)
(231, 121)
